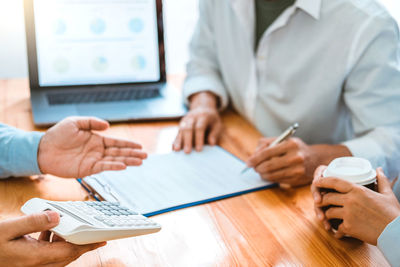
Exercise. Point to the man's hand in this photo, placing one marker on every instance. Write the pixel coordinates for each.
(317, 196)
(202, 118)
(292, 162)
(19, 249)
(71, 149)
(365, 213)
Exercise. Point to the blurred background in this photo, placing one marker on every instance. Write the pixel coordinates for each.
(180, 20)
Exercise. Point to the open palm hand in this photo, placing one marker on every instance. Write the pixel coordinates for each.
(70, 149)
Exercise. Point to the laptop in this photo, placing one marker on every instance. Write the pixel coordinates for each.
(102, 58)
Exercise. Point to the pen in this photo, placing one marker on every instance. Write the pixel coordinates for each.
(285, 135)
(106, 188)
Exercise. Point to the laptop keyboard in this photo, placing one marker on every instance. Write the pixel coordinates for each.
(102, 96)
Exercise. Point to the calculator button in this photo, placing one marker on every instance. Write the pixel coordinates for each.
(130, 212)
(99, 218)
(107, 212)
(109, 223)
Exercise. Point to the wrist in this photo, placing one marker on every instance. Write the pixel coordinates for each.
(204, 100)
(41, 155)
(324, 154)
(392, 215)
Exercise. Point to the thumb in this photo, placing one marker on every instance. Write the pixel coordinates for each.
(33, 223)
(384, 185)
(91, 123)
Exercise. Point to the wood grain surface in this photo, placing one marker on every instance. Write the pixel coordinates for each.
(275, 227)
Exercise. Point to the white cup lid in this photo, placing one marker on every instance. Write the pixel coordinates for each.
(354, 170)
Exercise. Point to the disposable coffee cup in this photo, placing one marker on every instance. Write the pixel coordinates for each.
(355, 170)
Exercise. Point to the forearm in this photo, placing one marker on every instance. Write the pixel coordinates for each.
(324, 154)
(203, 68)
(18, 154)
(388, 242)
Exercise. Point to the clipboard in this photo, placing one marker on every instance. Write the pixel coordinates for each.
(168, 182)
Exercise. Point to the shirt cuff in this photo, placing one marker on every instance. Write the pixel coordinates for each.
(366, 147)
(388, 242)
(197, 84)
(24, 153)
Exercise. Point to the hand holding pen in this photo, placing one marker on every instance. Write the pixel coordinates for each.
(284, 136)
(284, 160)
(290, 161)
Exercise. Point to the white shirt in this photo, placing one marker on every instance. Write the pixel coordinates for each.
(332, 66)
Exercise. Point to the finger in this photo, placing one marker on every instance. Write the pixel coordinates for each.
(177, 146)
(327, 225)
(45, 236)
(332, 199)
(285, 176)
(394, 182)
(340, 233)
(129, 161)
(215, 132)
(132, 162)
(39, 222)
(334, 213)
(108, 166)
(91, 123)
(293, 181)
(319, 213)
(187, 134)
(121, 143)
(337, 184)
(384, 185)
(56, 238)
(125, 152)
(314, 189)
(270, 152)
(200, 130)
(63, 251)
(319, 172)
(278, 163)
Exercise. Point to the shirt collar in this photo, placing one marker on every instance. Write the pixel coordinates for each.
(312, 7)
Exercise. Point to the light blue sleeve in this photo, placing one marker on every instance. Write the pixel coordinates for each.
(388, 242)
(18, 152)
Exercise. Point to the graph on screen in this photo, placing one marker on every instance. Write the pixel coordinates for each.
(96, 41)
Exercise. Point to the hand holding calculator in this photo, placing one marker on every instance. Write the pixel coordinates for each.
(92, 222)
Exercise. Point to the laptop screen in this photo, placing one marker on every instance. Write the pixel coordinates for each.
(86, 42)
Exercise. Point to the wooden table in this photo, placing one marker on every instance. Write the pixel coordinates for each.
(275, 227)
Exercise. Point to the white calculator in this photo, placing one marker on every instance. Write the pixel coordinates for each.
(87, 222)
